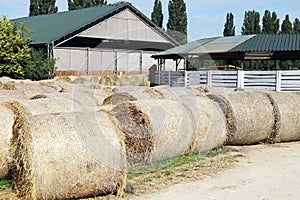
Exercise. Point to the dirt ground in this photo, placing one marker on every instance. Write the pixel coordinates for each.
(265, 172)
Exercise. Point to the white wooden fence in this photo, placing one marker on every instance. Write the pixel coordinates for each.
(270, 80)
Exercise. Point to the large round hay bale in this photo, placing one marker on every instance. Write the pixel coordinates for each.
(64, 156)
(6, 129)
(154, 130)
(249, 115)
(287, 112)
(208, 121)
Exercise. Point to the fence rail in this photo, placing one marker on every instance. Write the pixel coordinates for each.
(287, 81)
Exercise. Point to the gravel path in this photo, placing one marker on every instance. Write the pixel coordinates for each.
(265, 172)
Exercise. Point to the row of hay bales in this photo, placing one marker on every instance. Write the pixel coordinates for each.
(62, 141)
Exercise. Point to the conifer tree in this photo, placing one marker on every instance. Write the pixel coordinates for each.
(251, 23)
(296, 27)
(275, 21)
(267, 23)
(229, 28)
(177, 23)
(156, 15)
(286, 26)
(42, 7)
(79, 4)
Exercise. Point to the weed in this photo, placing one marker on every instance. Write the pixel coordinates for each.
(4, 185)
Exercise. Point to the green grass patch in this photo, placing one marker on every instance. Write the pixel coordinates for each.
(5, 185)
(220, 150)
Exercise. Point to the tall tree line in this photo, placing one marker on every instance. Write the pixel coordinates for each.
(270, 24)
(43, 7)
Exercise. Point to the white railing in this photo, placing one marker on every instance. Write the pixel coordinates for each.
(269, 80)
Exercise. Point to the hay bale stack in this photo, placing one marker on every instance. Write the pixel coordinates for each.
(6, 129)
(155, 130)
(64, 156)
(208, 121)
(287, 112)
(249, 115)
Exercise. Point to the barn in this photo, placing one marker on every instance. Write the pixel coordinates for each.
(104, 40)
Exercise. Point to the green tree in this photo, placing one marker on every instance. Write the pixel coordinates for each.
(267, 23)
(296, 27)
(286, 26)
(229, 28)
(14, 49)
(275, 21)
(156, 15)
(177, 23)
(42, 7)
(79, 4)
(251, 23)
(39, 67)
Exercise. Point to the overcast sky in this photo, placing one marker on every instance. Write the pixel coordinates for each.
(206, 18)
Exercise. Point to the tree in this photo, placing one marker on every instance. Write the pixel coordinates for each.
(296, 27)
(39, 67)
(251, 23)
(79, 4)
(42, 7)
(267, 23)
(270, 23)
(286, 26)
(177, 23)
(275, 21)
(156, 15)
(14, 49)
(229, 28)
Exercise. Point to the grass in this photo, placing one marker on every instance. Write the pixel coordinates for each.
(4, 185)
(169, 168)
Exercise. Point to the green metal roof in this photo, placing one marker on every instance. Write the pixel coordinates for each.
(186, 48)
(59, 26)
(270, 43)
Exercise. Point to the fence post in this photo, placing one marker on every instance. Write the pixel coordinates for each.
(209, 78)
(241, 79)
(186, 78)
(159, 77)
(170, 78)
(278, 81)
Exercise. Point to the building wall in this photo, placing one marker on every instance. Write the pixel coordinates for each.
(72, 61)
(125, 26)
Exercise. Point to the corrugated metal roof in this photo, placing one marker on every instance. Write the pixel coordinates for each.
(270, 43)
(222, 44)
(53, 27)
(187, 48)
(48, 28)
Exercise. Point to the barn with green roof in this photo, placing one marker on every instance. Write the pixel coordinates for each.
(110, 39)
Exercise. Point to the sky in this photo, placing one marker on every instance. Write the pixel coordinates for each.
(206, 18)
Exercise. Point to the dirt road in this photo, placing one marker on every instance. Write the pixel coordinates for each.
(265, 172)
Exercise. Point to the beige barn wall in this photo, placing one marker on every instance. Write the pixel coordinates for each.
(125, 26)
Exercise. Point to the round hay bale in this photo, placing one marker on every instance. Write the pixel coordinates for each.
(64, 156)
(287, 112)
(154, 130)
(208, 122)
(6, 129)
(249, 115)
(135, 125)
(174, 92)
(118, 98)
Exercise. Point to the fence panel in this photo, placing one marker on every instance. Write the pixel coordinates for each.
(227, 79)
(260, 80)
(290, 81)
(196, 78)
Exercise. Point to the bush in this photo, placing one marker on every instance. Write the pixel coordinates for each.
(17, 59)
(39, 67)
(14, 48)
